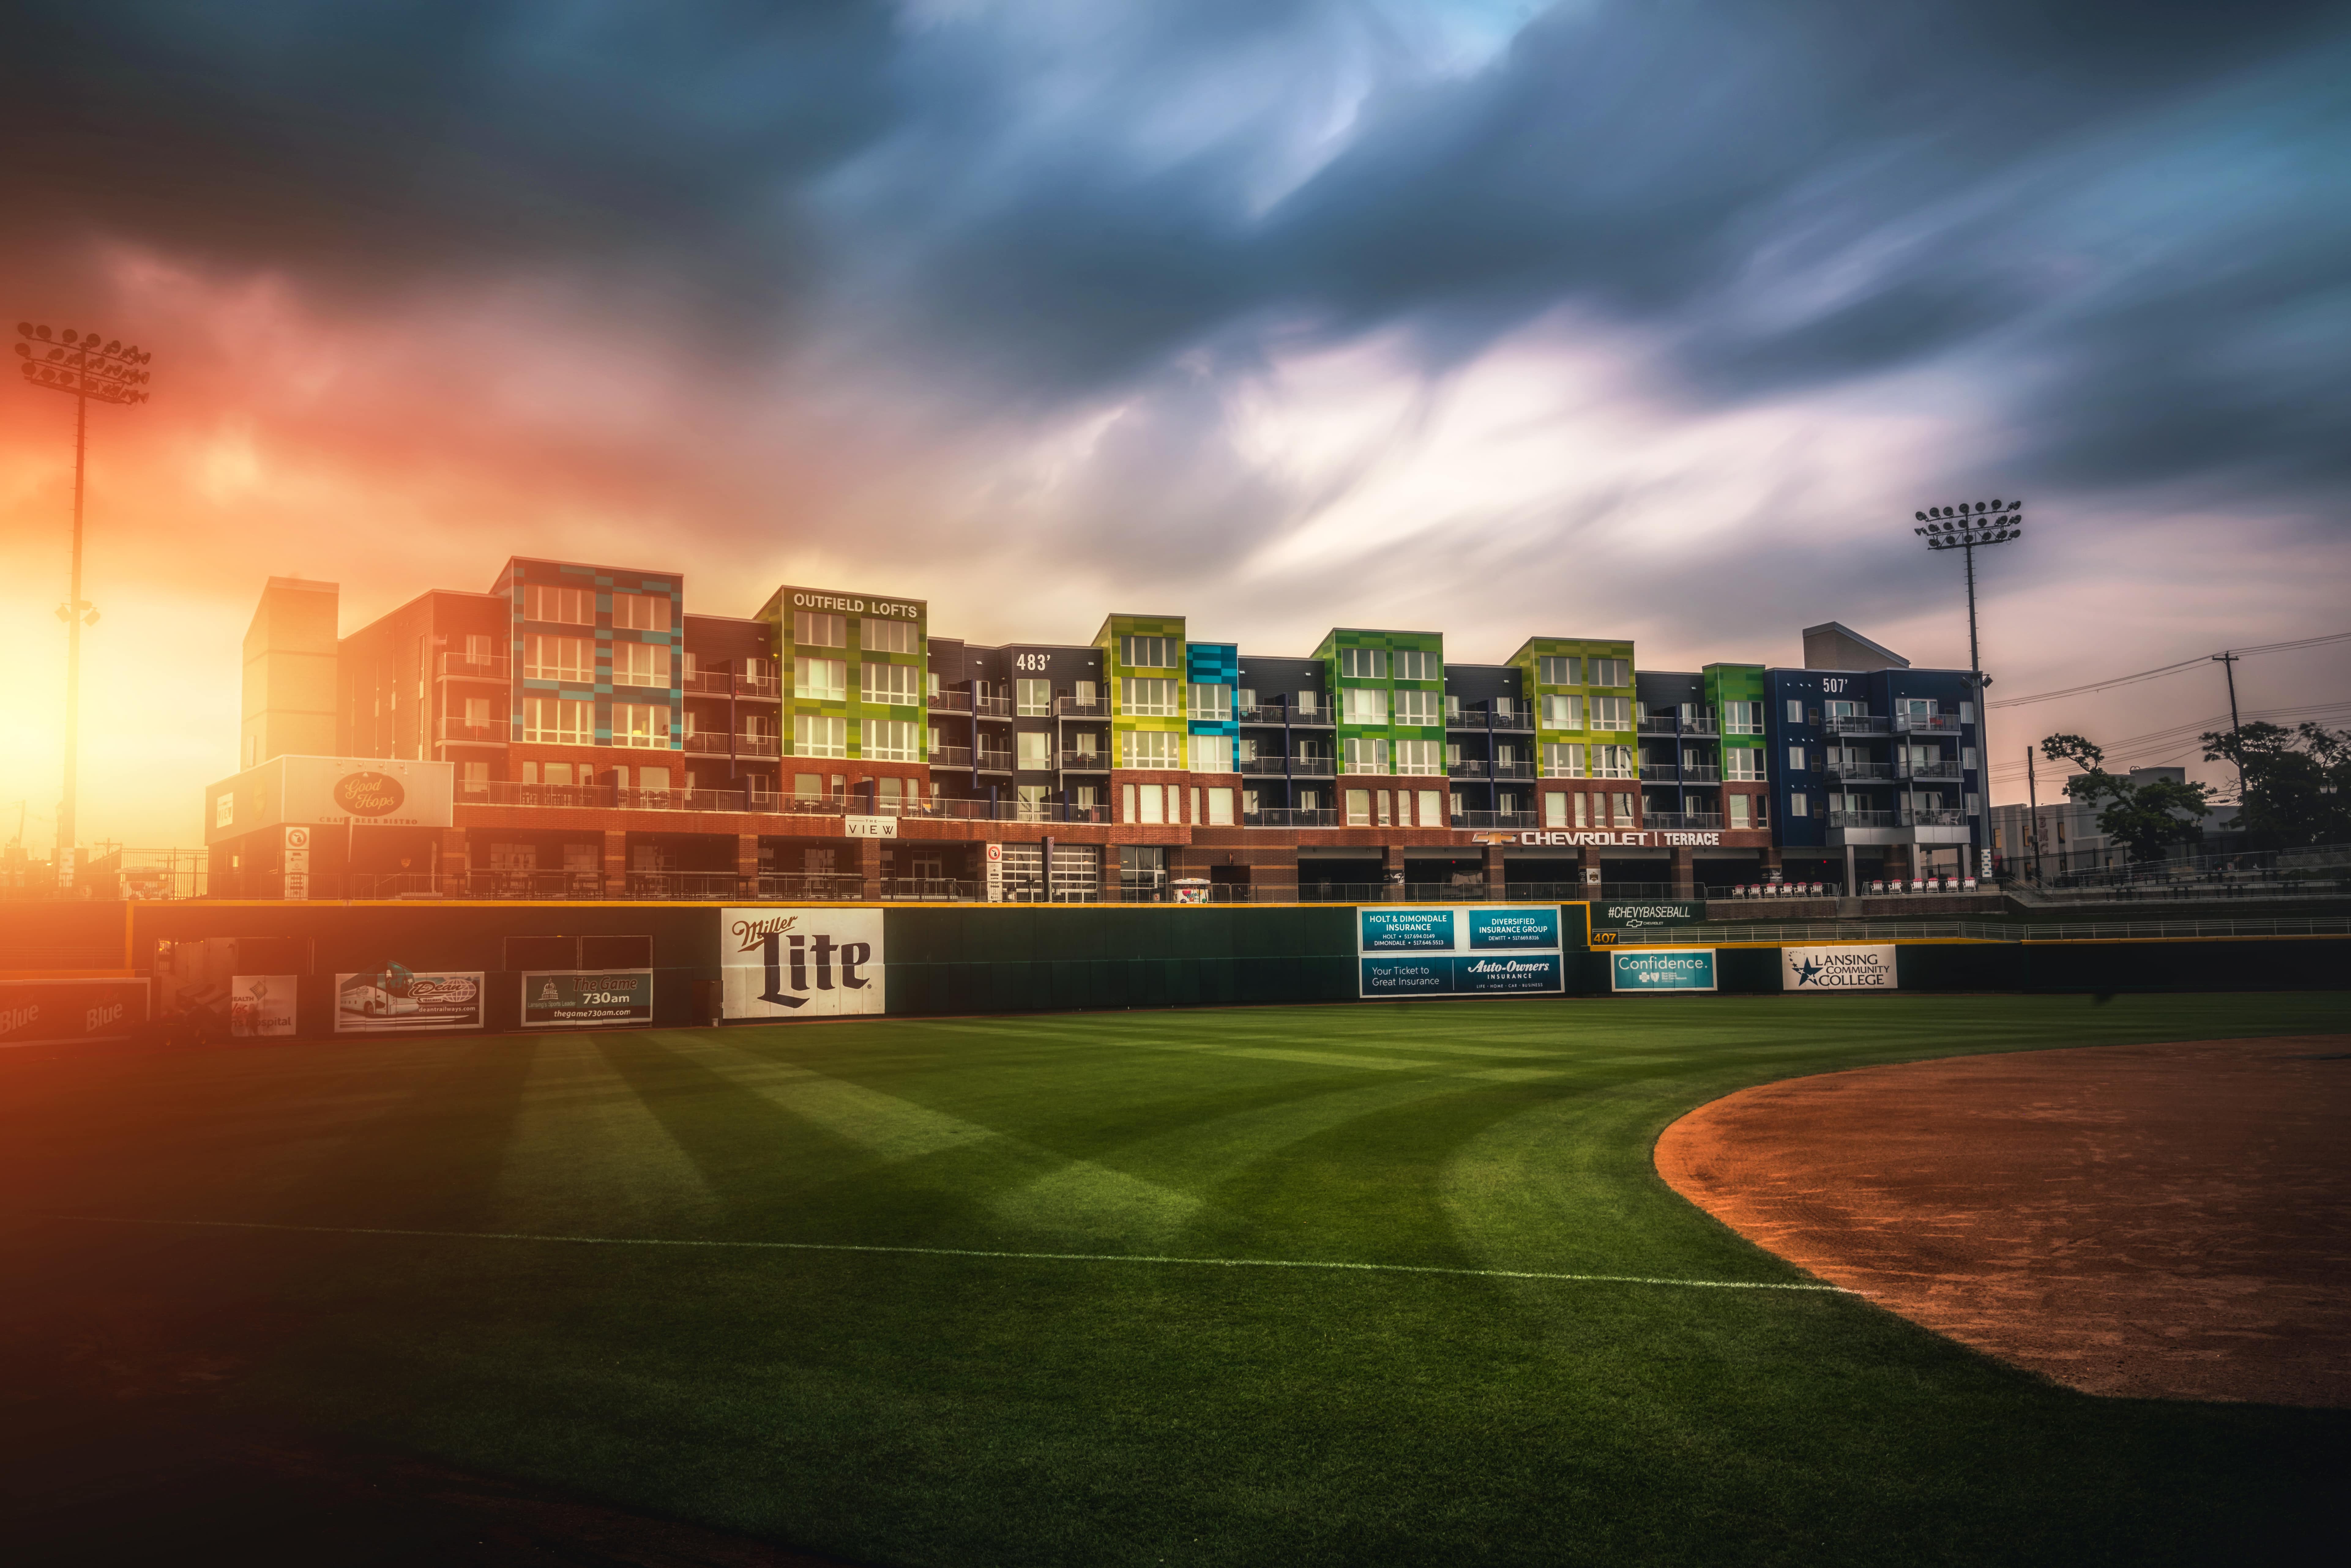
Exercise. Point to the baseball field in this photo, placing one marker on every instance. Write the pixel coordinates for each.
(1372, 1284)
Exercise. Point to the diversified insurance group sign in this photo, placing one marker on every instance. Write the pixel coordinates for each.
(1460, 952)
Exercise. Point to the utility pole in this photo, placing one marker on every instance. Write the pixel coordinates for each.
(2033, 797)
(1969, 526)
(79, 365)
(2228, 663)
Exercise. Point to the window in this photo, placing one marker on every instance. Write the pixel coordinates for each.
(1559, 670)
(1554, 808)
(1415, 665)
(1149, 653)
(1975, 805)
(641, 665)
(1085, 693)
(641, 724)
(1212, 705)
(1744, 763)
(1968, 758)
(1359, 808)
(876, 636)
(641, 611)
(1967, 713)
(1366, 706)
(820, 735)
(558, 720)
(889, 740)
(1742, 718)
(1795, 710)
(1035, 748)
(930, 682)
(1917, 708)
(569, 606)
(825, 680)
(1741, 806)
(1422, 756)
(1220, 808)
(1612, 713)
(1563, 761)
(1452, 707)
(1152, 699)
(882, 683)
(1431, 806)
(1363, 663)
(1562, 712)
(1795, 803)
(1146, 748)
(477, 715)
(1362, 755)
(1612, 762)
(811, 631)
(1612, 672)
(1416, 707)
(567, 659)
(1621, 805)
(1032, 699)
(1154, 807)
(1245, 698)
(1212, 753)
(1795, 759)
(808, 786)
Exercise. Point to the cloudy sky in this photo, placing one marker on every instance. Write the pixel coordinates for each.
(1653, 319)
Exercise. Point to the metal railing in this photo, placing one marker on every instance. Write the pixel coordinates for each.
(948, 702)
(1933, 817)
(1701, 933)
(719, 743)
(1262, 767)
(1280, 713)
(1866, 819)
(1684, 819)
(1948, 772)
(1290, 817)
(1313, 766)
(1701, 773)
(1856, 723)
(1859, 772)
(457, 732)
(1927, 723)
(465, 667)
(1516, 721)
(1659, 773)
(727, 683)
(1495, 819)
(992, 707)
(1071, 707)
(1085, 761)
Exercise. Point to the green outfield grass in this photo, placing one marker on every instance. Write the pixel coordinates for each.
(939, 1407)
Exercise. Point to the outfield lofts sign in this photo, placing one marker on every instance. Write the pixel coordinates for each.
(800, 963)
(1459, 952)
(1852, 968)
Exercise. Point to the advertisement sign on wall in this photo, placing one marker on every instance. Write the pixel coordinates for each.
(261, 1007)
(800, 963)
(1630, 914)
(43, 1010)
(571, 997)
(1853, 968)
(1656, 970)
(321, 791)
(1459, 952)
(397, 1000)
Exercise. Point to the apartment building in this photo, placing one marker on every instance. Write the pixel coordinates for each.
(601, 739)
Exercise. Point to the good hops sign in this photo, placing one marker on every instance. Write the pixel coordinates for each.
(326, 791)
(800, 963)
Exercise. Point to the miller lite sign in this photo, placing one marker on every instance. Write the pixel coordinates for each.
(800, 963)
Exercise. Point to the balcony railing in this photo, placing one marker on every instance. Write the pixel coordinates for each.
(1704, 821)
(465, 667)
(1701, 773)
(1495, 819)
(727, 683)
(951, 756)
(1948, 772)
(949, 702)
(1516, 721)
(1473, 769)
(1311, 767)
(1290, 817)
(1856, 723)
(992, 707)
(1934, 816)
(1071, 707)
(1859, 772)
(1085, 762)
(994, 761)
(1659, 773)
(1868, 820)
(1279, 713)
(1262, 767)
(1927, 723)
(457, 732)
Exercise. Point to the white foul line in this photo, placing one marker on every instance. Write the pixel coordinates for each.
(963, 1252)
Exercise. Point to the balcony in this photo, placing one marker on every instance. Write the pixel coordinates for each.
(1944, 772)
(1279, 712)
(1263, 766)
(1287, 816)
(1495, 819)
(992, 707)
(726, 684)
(1071, 707)
(1856, 723)
(719, 743)
(1703, 821)
(1513, 721)
(1934, 816)
(1926, 724)
(994, 761)
(1659, 773)
(1658, 724)
(1859, 772)
(458, 732)
(599, 797)
(1868, 819)
(1471, 769)
(951, 756)
(1701, 773)
(465, 667)
(949, 702)
(1313, 767)
(1085, 762)
(1514, 769)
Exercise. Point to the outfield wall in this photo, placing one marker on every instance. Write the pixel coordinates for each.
(974, 960)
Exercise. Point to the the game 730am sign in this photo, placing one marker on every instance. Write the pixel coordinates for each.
(566, 999)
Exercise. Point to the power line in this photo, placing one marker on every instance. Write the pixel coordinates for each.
(2170, 670)
(2161, 737)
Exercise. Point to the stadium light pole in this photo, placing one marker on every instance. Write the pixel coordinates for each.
(82, 367)
(1969, 526)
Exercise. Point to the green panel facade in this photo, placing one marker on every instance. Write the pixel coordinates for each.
(1398, 726)
(882, 644)
(1127, 641)
(1734, 695)
(1581, 692)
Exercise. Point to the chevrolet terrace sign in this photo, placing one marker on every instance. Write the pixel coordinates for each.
(1630, 838)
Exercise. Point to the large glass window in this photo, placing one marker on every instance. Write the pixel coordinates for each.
(641, 665)
(1612, 713)
(569, 606)
(1563, 761)
(568, 659)
(813, 630)
(1559, 670)
(1418, 707)
(1147, 748)
(1032, 699)
(1554, 808)
(1612, 672)
(1212, 704)
(1363, 663)
(887, 683)
(641, 613)
(1416, 665)
(1034, 749)
(1744, 763)
(824, 680)
(889, 740)
(1212, 753)
(1363, 754)
(879, 636)
(820, 735)
(1613, 762)
(1741, 807)
(1563, 712)
(558, 720)
(1426, 757)
(1742, 718)
(1152, 698)
(1149, 653)
(1365, 704)
(644, 724)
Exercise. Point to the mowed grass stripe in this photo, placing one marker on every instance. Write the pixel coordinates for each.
(1308, 1263)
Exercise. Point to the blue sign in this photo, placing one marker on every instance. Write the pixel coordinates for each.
(1406, 930)
(1661, 969)
(1514, 927)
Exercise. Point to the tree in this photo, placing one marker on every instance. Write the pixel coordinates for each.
(2144, 819)
(2297, 782)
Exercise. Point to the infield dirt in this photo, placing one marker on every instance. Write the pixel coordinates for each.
(2166, 1222)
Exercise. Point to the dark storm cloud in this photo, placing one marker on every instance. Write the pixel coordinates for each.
(2124, 222)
